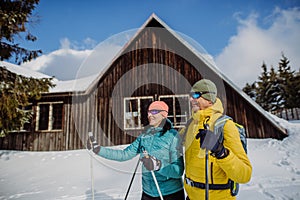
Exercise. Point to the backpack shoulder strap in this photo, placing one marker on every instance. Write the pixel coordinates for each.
(219, 126)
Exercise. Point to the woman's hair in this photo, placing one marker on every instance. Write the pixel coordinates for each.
(166, 125)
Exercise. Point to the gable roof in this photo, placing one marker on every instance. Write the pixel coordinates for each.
(155, 21)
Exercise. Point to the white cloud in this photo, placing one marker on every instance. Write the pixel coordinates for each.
(65, 43)
(73, 60)
(62, 63)
(242, 58)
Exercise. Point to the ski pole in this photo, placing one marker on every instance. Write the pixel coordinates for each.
(132, 179)
(92, 170)
(154, 177)
(92, 178)
(157, 186)
(206, 126)
(206, 175)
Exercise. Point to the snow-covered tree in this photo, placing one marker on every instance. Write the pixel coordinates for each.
(250, 90)
(17, 91)
(276, 90)
(273, 93)
(286, 82)
(263, 89)
(15, 15)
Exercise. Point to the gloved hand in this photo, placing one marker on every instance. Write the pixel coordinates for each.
(210, 141)
(92, 144)
(201, 134)
(151, 163)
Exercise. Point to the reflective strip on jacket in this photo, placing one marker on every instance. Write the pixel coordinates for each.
(236, 166)
(165, 147)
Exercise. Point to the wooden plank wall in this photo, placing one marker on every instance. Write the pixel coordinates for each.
(98, 110)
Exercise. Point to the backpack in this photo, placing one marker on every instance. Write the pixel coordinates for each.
(219, 126)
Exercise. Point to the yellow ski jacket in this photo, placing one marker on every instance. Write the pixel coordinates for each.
(236, 166)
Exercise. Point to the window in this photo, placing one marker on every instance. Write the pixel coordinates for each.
(135, 112)
(49, 116)
(179, 108)
(57, 116)
(136, 116)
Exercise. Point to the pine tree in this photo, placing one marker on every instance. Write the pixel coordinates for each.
(294, 93)
(250, 90)
(14, 17)
(285, 80)
(17, 91)
(297, 89)
(263, 87)
(274, 91)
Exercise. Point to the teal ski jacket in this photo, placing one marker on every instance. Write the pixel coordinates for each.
(165, 146)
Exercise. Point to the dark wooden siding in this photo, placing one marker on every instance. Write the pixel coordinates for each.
(45, 140)
(158, 59)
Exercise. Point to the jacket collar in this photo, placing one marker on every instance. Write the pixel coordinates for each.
(152, 130)
(213, 112)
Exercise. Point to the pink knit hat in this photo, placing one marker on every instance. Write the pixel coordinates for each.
(160, 105)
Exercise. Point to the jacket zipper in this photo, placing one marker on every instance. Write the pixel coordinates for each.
(211, 172)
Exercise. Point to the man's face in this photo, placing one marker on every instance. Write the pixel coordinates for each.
(199, 104)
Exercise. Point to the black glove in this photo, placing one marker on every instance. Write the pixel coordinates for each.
(151, 163)
(201, 134)
(211, 141)
(92, 144)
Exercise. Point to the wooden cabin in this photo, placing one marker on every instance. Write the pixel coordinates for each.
(155, 64)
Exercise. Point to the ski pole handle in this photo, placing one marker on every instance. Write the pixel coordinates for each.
(92, 144)
(91, 135)
(91, 139)
(205, 123)
(145, 153)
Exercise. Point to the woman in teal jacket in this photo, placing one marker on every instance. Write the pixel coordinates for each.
(159, 148)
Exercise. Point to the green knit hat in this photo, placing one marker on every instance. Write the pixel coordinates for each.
(205, 85)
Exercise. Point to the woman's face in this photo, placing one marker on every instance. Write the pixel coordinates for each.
(155, 117)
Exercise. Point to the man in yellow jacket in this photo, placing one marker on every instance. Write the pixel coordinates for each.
(227, 160)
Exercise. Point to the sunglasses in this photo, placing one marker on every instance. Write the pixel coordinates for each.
(154, 112)
(197, 95)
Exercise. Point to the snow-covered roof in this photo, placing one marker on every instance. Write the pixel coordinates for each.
(60, 86)
(72, 85)
(22, 70)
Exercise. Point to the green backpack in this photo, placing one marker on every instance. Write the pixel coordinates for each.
(218, 129)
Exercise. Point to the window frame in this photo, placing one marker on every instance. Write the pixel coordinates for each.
(139, 98)
(173, 115)
(50, 116)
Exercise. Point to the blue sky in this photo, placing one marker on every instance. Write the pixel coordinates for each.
(235, 32)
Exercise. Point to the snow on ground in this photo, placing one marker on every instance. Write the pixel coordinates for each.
(68, 174)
